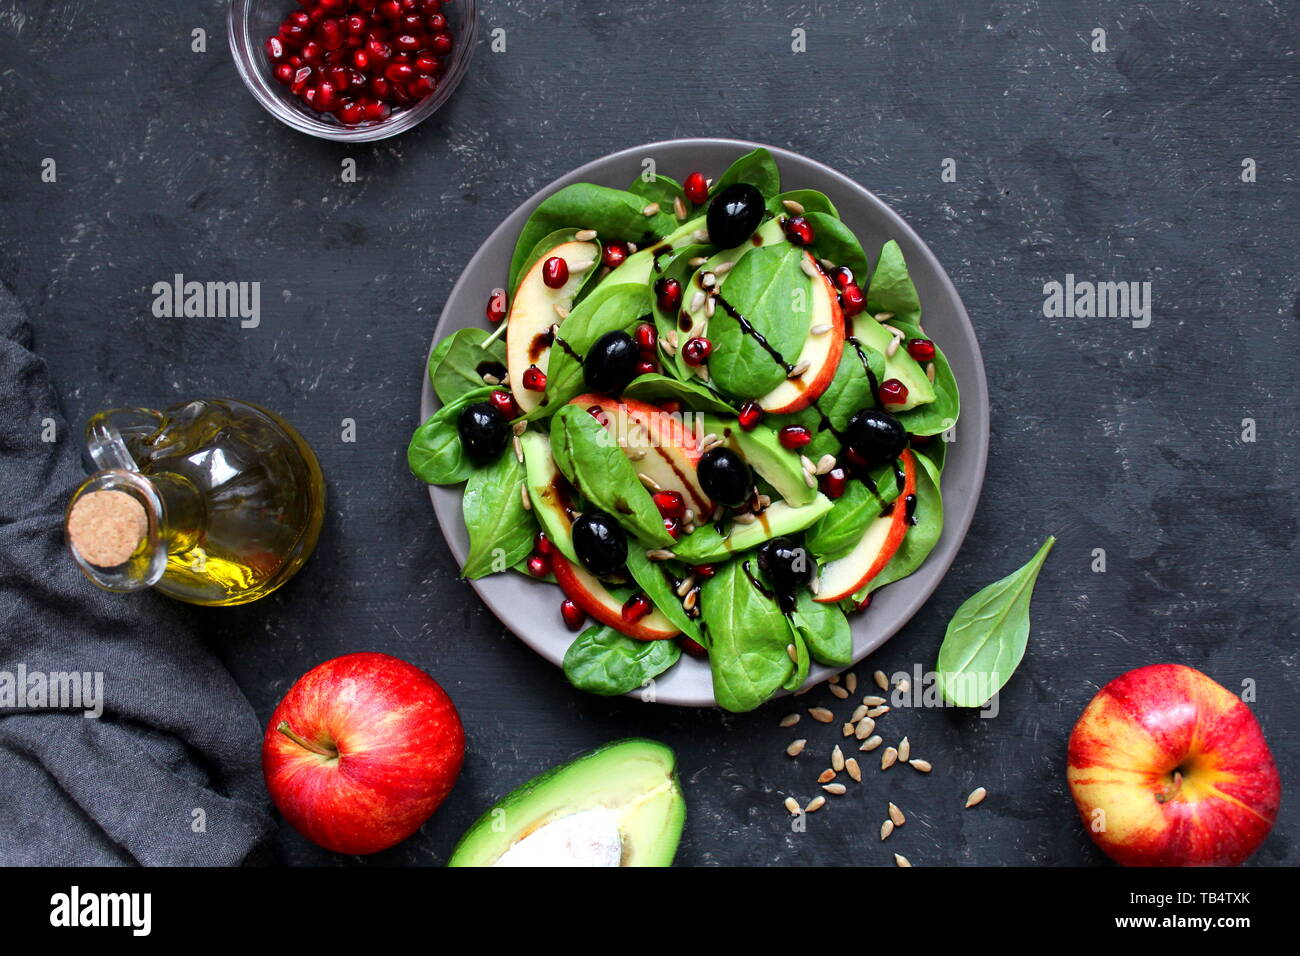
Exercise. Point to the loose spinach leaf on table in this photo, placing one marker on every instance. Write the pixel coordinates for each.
(986, 638)
(435, 453)
(649, 576)
(891, 287)
(501, 529)
(765, 287)
(747, 637)
(825, 630)
(590, 457)
(613, 213)
(810, 199)
(603, 661)
(921, 537)
(757, 168)
(454, 364)
(608, 309)
(835, 241)
(696, 397)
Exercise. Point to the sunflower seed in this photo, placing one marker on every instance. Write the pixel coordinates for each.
(684, 588)
(789, 720)
(839, 692)
(697, 301)
(636, 454)
(871, 700)
(976, 796)
(723, 268)
(896, 815)
(710, 306)
(871, 743)
(904, 685)
(670, 349)
(875, 712)
(648, 481)
(815, 804)
(794, 207)
(833, 679)
(585, 235)
(519, 427)
(672, 337)
(808, 268)
(807, 464)
(696, 261)
(886, 828)
(884, 316)
(650, 209)
(744, 517)
(892, 348)
(658, 554)
(799, 369)
(921, 765)
(851, 682)
(905, 750)
(847, 730)
(692, 598)
(679, 208)
(820, 328)
(581, 265)
(631, 248)
(865, 727)
(792, 805)
(888, 758)
(826, 776)
(851, 765)
(836, 788)
(881, 681)
(815, 585)
(837, 758)
(491, 379)
(793, 652)
(708, 280)
(524, 499)
(900, 860)
(795, 748)
(700, 235)
(929, 371)
(826, 264)
(519, 449)
(859, 712)
(825, 463)
(821, 715)
(810, 479)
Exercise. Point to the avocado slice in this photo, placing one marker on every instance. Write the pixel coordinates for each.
(617, 805)
(549, 492)
(900, 365)
(641, 264)
(776, 465)
(704, 544)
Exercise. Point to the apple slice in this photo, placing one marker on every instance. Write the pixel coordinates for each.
(821, 352)
(537, 307)
(586, 591)
(658, 443)
(841, 577)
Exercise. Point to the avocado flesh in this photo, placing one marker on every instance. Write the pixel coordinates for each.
(639, 266)
(705, 544)
(778, 466)
(634, 779)
(545, 484)
(900, 365)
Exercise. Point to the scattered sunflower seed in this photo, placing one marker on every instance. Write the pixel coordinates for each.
(491, 379)
(836, 788)
(710, 306)
(875, 712)
(976, 796)
(519, 448)
(815, 804)
(795, 748)
(799, 369)
(892, 348)
(697, 301)
(789, 720)
(896, 815)
(888, 758)
(821, 715)
(865, 728)
(792, 805)
(807, 464)
(826, 776)
(820, 328)
(723, 269)
(792, 206)
(839, 692)
(881, 681)
(847, 730)
(859, 713)
(679, 208)
(871, 700)
(886, 829)
(744, 517)
(884, 316)
(871, 743)
(900, 860)
(904, 685)
(851, 682)
(696, 261)
(824, 464)
(524, 499)
(708, 280)
(691, 599)
(685, 587)
(810, 479)
(650, 209)
(833, 679)
(921, 765)
(658, 554)
(793, 652)
(585, 235)
(581, 265)
(808, 268)
(648, 481)
(851, 765)
(929, 371)
(837, 758)
(905, 750)
(700, 235)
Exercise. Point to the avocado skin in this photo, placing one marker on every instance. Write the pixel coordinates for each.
(658, 850)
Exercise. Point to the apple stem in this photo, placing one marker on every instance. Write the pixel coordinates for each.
(284, 728)
(1172, 790)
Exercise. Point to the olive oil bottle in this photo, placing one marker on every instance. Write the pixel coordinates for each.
(214, 502)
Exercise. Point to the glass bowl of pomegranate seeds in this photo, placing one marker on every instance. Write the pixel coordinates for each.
(352, 70)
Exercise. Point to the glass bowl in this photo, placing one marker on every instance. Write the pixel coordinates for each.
(250, 23)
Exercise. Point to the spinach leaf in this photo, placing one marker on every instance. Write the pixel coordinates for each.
(653, 388)
(986, 638)
(836, 533)
(763, 288)
(941, 414)
(590, 457)
(454, 364)
(608, 309)
(613, 213)
(660, 189)
(810, 199)
(603, 661)
(921, 537)
(651, 579)
(501, 529)
(825, 630)
(891, 287)
(675, 265)
(747, 638)
(802, 662)
(835, 241)
(757, 168)
(435, 454)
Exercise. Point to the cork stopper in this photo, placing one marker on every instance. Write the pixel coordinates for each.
(105, 527)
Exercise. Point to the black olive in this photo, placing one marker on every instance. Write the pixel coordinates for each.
(600, 543)
(725, 477)
(484, 432)
(734, 214)
(611, 363)
(875, 435)
(786, 564)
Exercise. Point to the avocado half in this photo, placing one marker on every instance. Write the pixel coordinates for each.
(634, 779)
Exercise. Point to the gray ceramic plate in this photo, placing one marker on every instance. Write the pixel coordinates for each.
(531, 609)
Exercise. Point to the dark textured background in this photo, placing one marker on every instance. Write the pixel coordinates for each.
(1120, 165)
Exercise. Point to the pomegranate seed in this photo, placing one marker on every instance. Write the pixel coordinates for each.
(284, 72)
(376, 110)
(298, 18)
(921, 349)
(749, 416)
(380, 87)
(312, 52)
(794, 436)
(668, 293)
(799, 231)
(691, 646)
(326, 99)
(423, 86)
(440, 43)
(670, 503)
(598, 413)
(408, 42)
(361, 60)
(636, 607)
(355, 24)
(863, 604)
(436, 22)
(893, 392)
(673, 527)
(696, 188)
(380, 52)
(505, 403)
(331, 34)
(646, 337)
(853, 458)
(852, 301)
(292, 35)
(646, 367)
(539, 566)
(555, 272)
(542, 544)
(400, 73)
(426, 64)
(841, 276)
(704, 571)
(496, 307)
(534, 379)
(574, 616)
(389, 9)
(696, 350)
(833, 483)
(614, 254)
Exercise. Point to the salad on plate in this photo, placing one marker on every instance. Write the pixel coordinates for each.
(700, 411)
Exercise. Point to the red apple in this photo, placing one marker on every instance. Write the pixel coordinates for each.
(361, 751)
(1168, 768)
